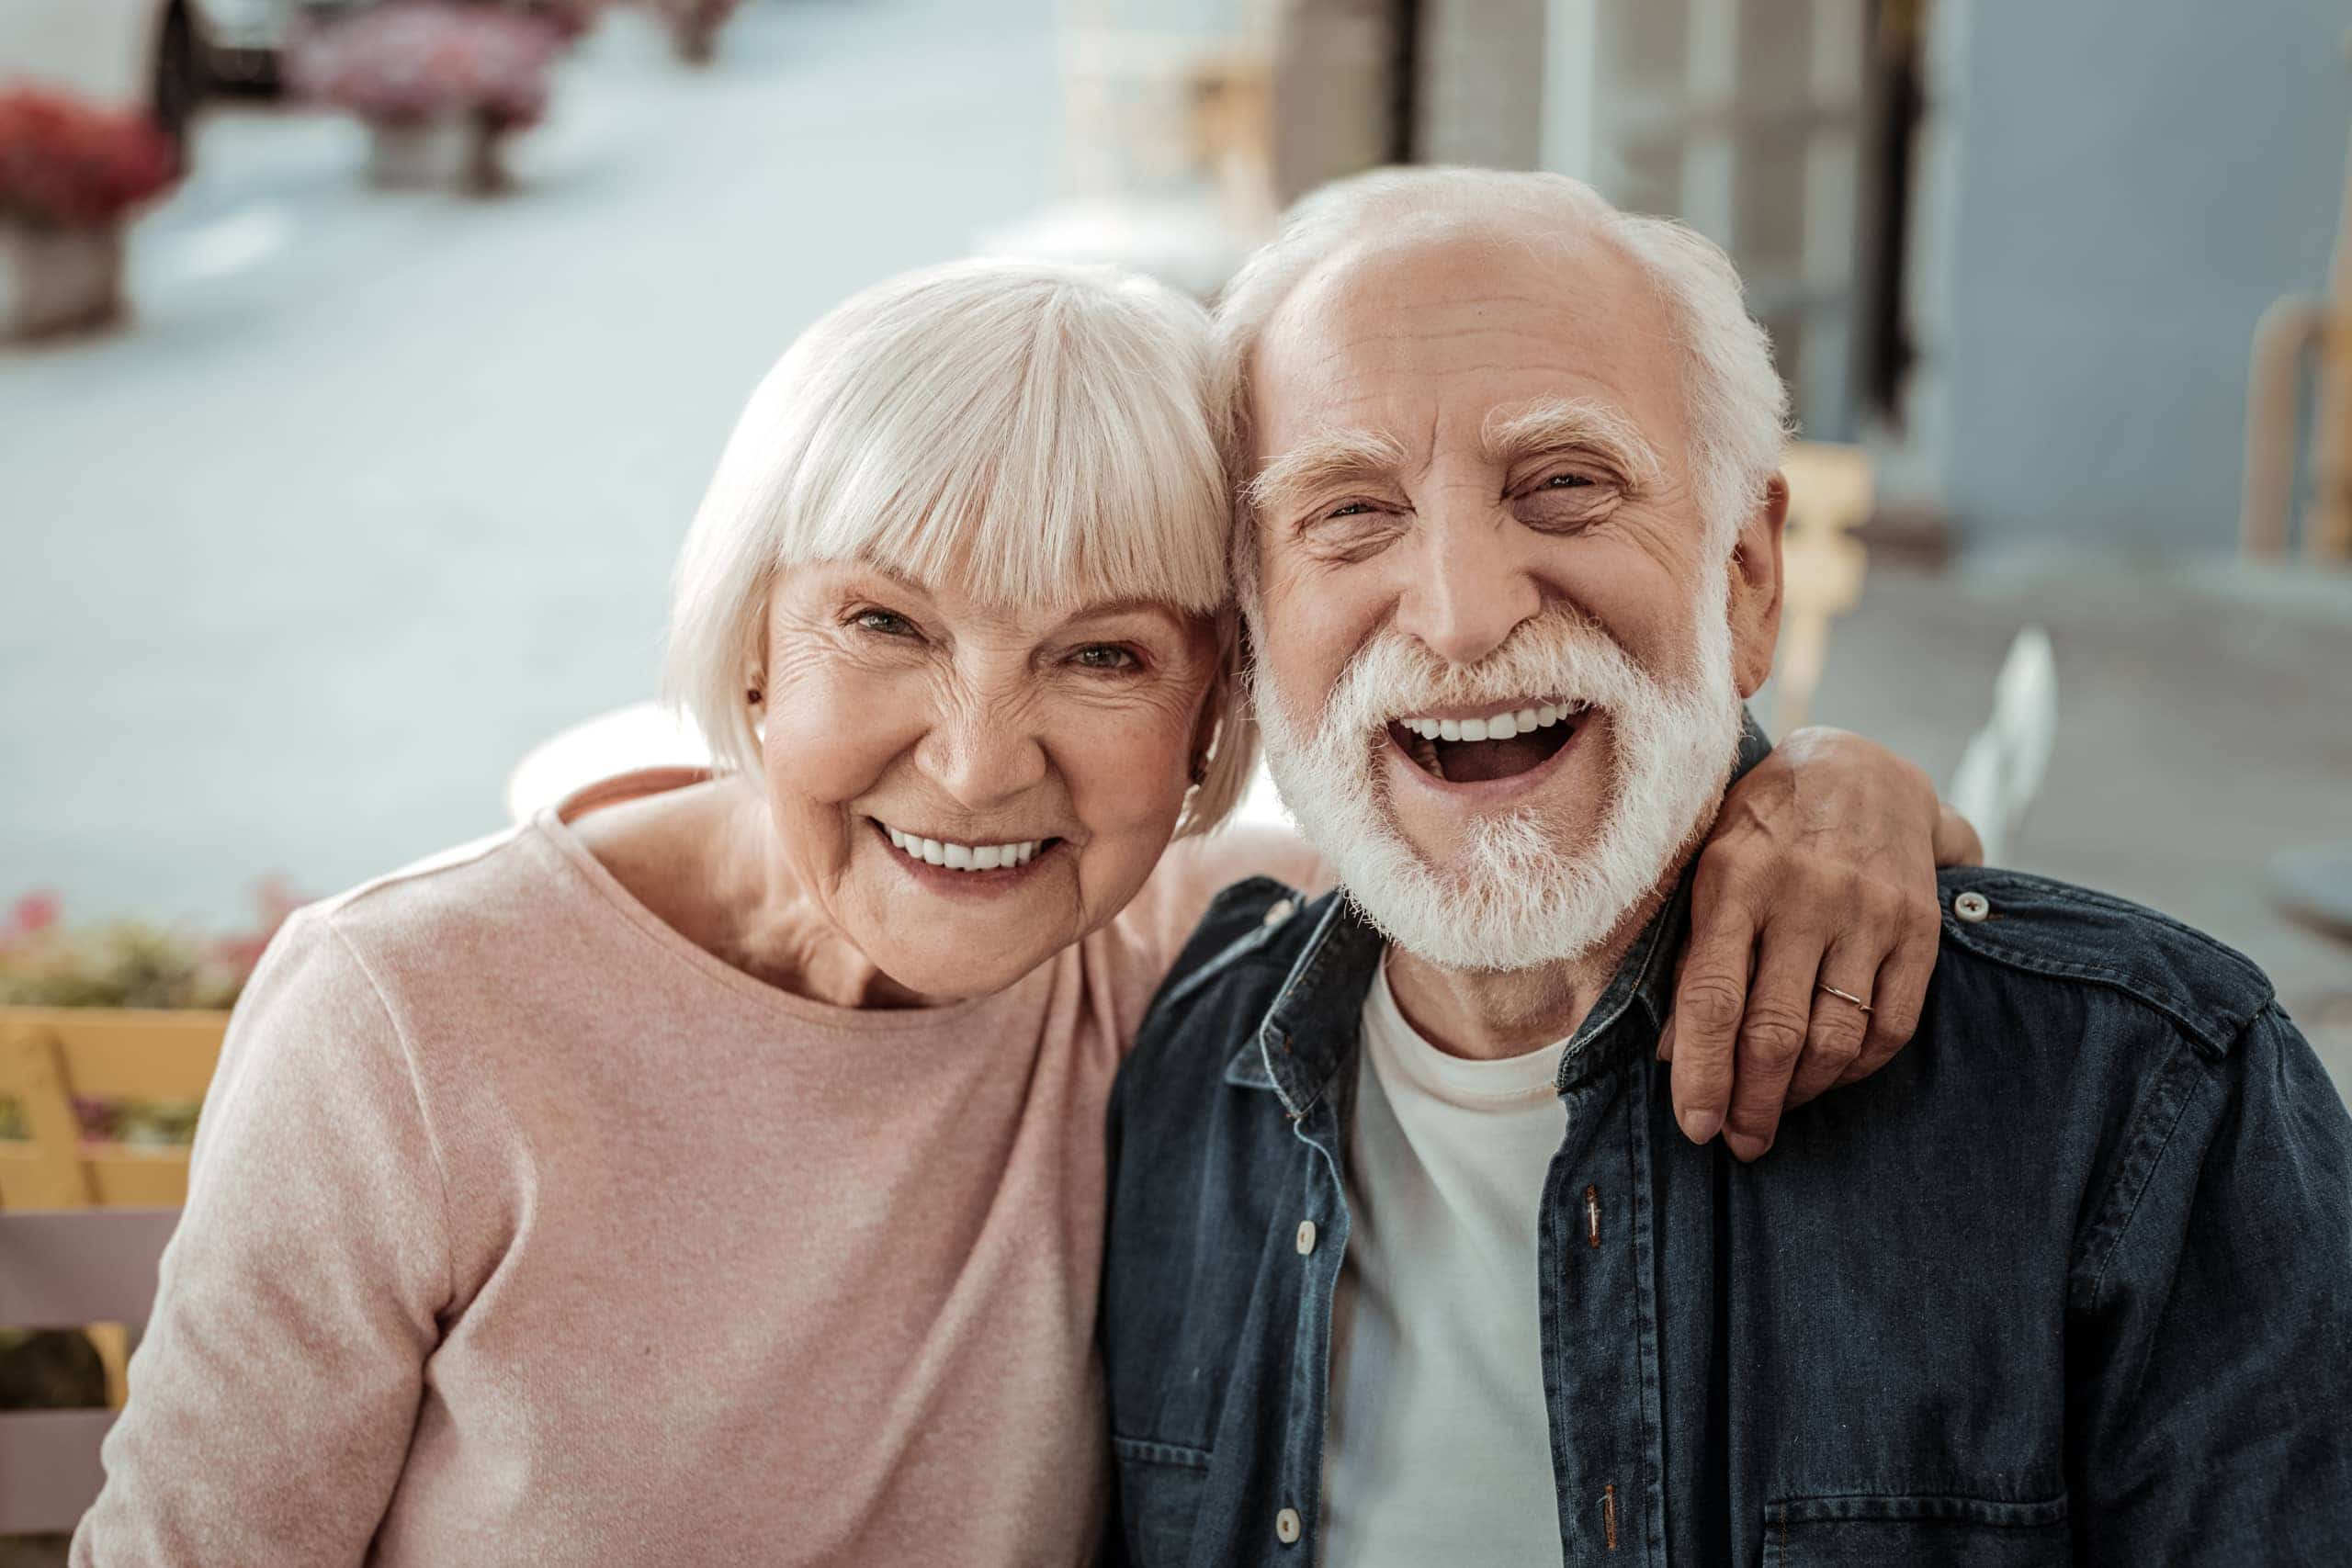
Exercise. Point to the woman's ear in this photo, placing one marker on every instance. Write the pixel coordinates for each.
(1756, 583)
(1208, 727)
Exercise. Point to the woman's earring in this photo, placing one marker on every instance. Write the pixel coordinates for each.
(755, 696)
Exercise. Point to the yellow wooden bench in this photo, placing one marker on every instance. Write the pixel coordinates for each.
(59, 1270)
(50, 1057)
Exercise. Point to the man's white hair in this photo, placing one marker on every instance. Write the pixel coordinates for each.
(1734, 402)
(1036, 433)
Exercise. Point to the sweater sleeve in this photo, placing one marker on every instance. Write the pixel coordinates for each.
(273, 1395)
(2212, 1379)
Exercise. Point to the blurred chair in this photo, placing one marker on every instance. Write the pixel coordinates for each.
(1830, 490)
(2001, 771)
(642, 735)
(2290, 328)
(59, 1271)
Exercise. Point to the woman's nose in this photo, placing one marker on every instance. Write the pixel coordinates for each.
(1467, 590)
(984, 758)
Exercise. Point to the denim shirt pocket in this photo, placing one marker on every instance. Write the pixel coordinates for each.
(1917, 1530)
(1160, 1498)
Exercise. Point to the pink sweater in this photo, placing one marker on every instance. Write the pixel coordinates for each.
(522, 1231)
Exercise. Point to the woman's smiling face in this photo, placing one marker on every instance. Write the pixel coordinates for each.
(1050, 747)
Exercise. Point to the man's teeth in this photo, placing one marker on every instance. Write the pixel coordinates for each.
(1494, 727)
(964, 857)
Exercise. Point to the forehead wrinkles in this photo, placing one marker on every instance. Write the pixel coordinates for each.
(1377, 331)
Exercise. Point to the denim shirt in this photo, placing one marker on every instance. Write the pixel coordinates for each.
(2068, 1281)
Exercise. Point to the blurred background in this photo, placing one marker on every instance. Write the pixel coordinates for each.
(363, 364)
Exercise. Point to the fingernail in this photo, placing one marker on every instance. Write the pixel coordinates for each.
(1699, 1126)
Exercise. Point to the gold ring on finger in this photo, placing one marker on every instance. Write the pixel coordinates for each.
(1842, 996)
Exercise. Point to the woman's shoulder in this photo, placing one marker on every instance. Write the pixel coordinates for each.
(474, 923)
(1153, 928)
(449, 895)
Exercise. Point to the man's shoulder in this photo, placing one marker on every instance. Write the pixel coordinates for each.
(1229, 972)
(2024, 925)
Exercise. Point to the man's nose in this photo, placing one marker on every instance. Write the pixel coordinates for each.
(1469, 589)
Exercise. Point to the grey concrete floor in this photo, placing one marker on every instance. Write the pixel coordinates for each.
(381, 489)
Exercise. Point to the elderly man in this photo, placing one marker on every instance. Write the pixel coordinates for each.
(1408, 1263)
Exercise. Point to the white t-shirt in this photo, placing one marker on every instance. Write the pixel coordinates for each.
(1440, 1448)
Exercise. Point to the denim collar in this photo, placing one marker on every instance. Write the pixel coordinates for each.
(1310, 1032)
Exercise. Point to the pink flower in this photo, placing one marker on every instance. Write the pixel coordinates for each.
(65, 164)
(34, 913)
(423, 60)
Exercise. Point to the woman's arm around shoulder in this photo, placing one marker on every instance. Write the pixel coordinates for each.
(273, 1394)
(1814, 930)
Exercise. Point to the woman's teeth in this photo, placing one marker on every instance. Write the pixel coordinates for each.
(1494, 727)
(964, 857)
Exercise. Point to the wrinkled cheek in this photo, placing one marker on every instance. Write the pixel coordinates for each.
(814, 766)
(1306, 651)
(1127, 786)
(823, 742)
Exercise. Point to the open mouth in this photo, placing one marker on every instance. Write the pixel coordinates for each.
(1498, 745)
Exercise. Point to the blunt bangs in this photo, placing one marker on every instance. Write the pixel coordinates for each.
(1049, 447)
(1034, 435)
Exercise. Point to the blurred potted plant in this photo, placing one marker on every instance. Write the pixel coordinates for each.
(126, 964)
(694, 26)
(440, 87)
(70, 176)
(45, 962)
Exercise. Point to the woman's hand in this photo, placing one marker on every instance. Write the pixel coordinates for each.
(1821, 871)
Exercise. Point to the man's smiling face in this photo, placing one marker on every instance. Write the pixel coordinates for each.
(1491, 619)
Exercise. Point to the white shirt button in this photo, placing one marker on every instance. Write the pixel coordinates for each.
(1279, 911)
(1970, 906)
(1286, 1526)
(1306, 1237)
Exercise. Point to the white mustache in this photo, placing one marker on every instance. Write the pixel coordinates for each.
(1557, 656)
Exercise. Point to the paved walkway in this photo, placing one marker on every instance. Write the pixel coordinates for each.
(379, 489)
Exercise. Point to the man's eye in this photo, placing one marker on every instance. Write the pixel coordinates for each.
(1566, 481)
(1107, 656)
(1350, 509)
(888, 623)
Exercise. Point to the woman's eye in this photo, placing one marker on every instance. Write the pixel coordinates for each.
(886, 621)
(1106, 656)
(1350, 509)
(1566, 481)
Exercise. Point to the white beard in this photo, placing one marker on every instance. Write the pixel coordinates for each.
(1518, 896)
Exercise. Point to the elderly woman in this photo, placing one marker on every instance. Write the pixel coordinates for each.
(711, 1170)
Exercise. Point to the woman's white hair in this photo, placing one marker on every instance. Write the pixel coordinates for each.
(1038, 432)
(1736, 405)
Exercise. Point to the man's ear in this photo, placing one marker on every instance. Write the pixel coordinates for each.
(1755, 572)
